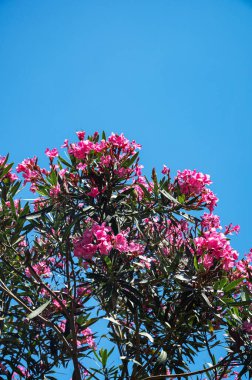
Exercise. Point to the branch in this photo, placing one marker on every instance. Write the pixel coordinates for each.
(36, 276)
(185, 374)
(46, 321)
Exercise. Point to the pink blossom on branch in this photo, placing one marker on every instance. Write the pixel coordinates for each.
(51, 153)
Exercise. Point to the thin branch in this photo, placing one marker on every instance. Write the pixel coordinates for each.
(46, 321)
(36, 276)
(185, 374)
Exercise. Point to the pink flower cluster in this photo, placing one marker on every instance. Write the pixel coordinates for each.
(209, 199)
(100, 238)
(41, 269)
(81, 149)
(31, 172)
(210, 221)
(244, 269)
(97, 238)
(212, 246)
(84, 336)
(192, 182)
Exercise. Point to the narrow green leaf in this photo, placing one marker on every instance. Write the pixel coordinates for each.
(144, 333)
(162, 357)
(64, 162)
(206, 299)
(113, 320)
(130, 161)
(170, 197)
(38, 311)
(232, 285)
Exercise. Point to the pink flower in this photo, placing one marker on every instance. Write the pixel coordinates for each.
(81, 166)
(84, 250)
(230, 228)
(65, 145)
(94, 192)
(26, 164)
(208, 261)
(81, 149)
(55, 191)
(81, 135)
(106, 160)
(58, 305)
(16, 203)
(121, 243)
(138, 170)
(146, 261)
(209, 198)
(23, 370)
(86, 337)
(105, 247)
(81, 291)
(210, 221)
(62, 173)
(12, 176)
(51, 153)
(247, 326)
(33, 188)
(118, 140)
(135, 248)
(165, 170)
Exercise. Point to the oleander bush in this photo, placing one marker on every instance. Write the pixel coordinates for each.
(118, 275)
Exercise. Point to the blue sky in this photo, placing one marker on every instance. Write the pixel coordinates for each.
(175, 75)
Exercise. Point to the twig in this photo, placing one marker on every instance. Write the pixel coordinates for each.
(184, 374)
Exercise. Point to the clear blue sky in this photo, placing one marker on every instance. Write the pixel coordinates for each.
(176, 75)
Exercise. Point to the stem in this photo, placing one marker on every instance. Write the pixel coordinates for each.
(210, 354)
(76, 373)
(185, 374)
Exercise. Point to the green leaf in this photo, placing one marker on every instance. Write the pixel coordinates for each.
(104, 357)
(38, 311)
(170, 197)
(113, 320)
(64, 162)
(38, 214)
(162, 357)
(206, 299)
(220, 284)
(232, 285)
(130, 161)
(108, 262)
(181, 198)
(6, 170)
(195, 262)
(240, 303)
(144, 333)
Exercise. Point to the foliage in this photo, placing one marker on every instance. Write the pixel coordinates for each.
(103, 243)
